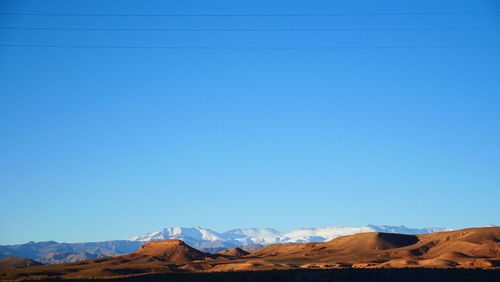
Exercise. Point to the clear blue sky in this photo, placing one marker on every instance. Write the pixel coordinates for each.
(99, 144)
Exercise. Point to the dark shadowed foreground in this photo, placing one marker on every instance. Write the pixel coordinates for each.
(330, 275)
(463, 255)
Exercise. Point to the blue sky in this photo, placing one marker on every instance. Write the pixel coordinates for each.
(100, 144)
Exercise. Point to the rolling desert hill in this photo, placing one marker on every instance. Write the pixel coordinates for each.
(476, 247)
(234, 252)
(466, 248)
(173, 251)
(203, 239)
(17, 262)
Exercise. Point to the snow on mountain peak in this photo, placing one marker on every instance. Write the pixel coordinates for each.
(182, 233)
(254, 236)
(204, 238)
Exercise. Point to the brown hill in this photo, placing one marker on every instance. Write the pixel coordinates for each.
(155, 257)
(169, 251)
(349, 248)
(234, 252)
(373, 248)
(17, 262)
(467, 248)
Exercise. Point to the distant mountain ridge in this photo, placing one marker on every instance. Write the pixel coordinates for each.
(466, 249)
(202, 238)
(51, 252)
(197, 237)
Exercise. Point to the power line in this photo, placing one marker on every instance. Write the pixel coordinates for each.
(251, 29)
(256, 15)
(249, 47)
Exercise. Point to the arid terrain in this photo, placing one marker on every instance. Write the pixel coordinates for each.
(464, 249)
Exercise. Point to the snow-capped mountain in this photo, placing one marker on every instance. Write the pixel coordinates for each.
(183, 233)
(197, 237)
(202, 238)
(254, 236)
(328, 233)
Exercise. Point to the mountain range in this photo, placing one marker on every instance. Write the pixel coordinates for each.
(465, 249)
(203, 239)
